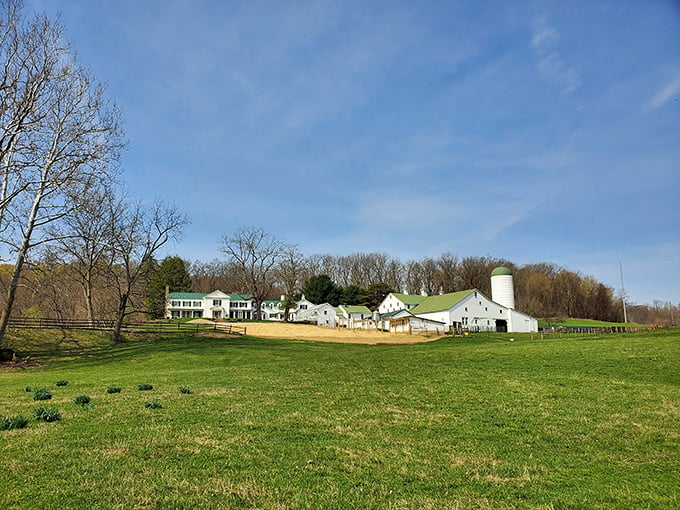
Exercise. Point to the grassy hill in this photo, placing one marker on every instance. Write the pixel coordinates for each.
(584, 323)
(475, 422)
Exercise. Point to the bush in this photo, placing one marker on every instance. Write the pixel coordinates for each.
(113, 389)
(153, 405)
(28, 389)
(184, 389)
(42, 394)
(15, 422)
(48, 414)
(61, 383)
(81, 400)
(144, 387)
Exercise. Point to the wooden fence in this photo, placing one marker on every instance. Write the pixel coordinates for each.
(132, 327)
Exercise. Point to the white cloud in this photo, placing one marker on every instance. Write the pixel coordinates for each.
(551, 65)
(665, 93)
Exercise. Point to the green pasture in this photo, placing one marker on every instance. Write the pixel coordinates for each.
(461, 423)
(586, 323)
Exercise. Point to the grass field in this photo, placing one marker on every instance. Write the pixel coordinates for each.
(479, 422)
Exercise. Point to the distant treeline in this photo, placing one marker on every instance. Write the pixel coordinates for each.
(52, 289)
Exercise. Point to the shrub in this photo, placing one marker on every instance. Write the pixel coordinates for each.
(113, 389)
(48, 414)
(153, 405)
(28, 389)
(144, 387)
(15, 422)
(42, 394)
(184, 389)
(61, 383)
(81, 400)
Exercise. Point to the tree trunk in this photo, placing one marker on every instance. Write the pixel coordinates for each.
(120, 315)
(19, 265)
(87, 290)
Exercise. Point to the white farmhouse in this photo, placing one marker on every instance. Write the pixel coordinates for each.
(395, 302)
(215, 305)
(353, 316)
(324, 314)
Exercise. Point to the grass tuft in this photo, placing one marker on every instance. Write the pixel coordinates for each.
(48, 414)
(144, 387)
(113, 389)
(42, 394)
(184, 389)
(61, 383)
(81, 400)
(153, 405)
(13, 422)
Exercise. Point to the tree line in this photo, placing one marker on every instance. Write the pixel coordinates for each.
(57, 287)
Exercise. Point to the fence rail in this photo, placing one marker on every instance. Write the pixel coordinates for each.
(133, 327)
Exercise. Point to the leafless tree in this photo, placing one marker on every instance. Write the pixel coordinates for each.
(255, 254)
(447, 272)
(137, 233)
(288, 274)
(62, 142)
(83, 241)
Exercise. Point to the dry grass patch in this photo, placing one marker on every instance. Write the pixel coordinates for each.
(287, 331)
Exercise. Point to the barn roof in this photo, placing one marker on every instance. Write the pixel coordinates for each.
(410, 299)
(442, 302)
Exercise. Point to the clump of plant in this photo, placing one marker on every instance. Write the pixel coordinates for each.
(13, 422)
(185, 390)
(61, 383)
(153, 405)
(144, 387)
(28, 389)
(81, 400)
(113, 389)
(48, 414)
(42, 394)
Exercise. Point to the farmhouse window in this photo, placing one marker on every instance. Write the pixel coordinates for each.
(186, 303)
(217, 302)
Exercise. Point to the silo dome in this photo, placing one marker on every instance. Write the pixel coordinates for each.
(502, 288)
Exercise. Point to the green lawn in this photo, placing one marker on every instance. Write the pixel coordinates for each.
(479, 422)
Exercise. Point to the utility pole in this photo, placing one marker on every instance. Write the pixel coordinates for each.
(623, 294)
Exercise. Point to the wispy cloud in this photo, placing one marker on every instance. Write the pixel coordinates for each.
(665, 93)
(551, 65)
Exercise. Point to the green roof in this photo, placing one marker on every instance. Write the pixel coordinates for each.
(410, 299)
(240, 297)
(501, 271)
(185, 295)
(200, 295)
(355, 309)
(439, 303)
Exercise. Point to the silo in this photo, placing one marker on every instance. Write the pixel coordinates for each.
(502, 289)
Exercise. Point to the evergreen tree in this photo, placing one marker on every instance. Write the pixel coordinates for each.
(374, 295)
(321, 289)
(171, 273)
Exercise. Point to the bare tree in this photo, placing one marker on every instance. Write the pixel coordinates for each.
(64, 142)
(137, 233)
(83, 241)
(447, 272)
(288, 273)
(255, 254)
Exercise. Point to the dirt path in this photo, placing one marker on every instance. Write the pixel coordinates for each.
(321, 334)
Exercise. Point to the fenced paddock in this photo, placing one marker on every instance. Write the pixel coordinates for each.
(130, 327)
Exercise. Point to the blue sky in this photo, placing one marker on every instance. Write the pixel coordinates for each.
(532, 131)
